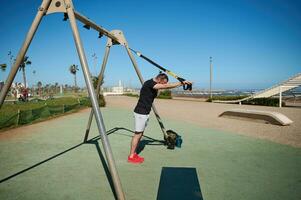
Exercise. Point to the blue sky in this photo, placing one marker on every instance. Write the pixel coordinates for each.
(254, 43)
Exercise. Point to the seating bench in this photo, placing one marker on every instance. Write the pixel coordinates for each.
(271, 117)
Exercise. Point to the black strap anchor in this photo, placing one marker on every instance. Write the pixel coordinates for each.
(185, 86)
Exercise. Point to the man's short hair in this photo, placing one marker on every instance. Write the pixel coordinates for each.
(162, 76)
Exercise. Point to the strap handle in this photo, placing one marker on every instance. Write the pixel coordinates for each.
(185, 86)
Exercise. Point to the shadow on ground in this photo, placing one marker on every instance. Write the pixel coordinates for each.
(95, 142)
(179, 183)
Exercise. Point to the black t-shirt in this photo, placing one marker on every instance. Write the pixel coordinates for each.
(147, 96)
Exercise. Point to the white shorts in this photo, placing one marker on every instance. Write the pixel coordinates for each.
(140, 122)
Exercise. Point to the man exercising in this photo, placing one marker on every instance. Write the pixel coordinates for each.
(148, 93)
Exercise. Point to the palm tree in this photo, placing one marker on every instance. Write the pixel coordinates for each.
(73, 69)
(66, 88)
(3, 67)
(46, 87)
(22, 66)
(40, 88)
(11, 57)
(56, 86)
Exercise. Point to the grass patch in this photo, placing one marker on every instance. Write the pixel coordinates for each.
(131, 95)
(12, 115)
(264, 102)
(258, 101)
(165, 94)
(226, 98)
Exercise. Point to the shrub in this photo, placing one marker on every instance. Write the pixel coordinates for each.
(85, 101)
(61, 101)
(36, 110)
(165, 94)
(226, 98)
(131, 95)
(264, 102)
(102, 101)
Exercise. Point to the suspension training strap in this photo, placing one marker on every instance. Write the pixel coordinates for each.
(185, 86)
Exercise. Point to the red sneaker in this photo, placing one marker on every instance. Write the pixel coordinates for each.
(137, 156)
(135, 160)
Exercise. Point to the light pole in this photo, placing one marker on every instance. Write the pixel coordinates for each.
(95, 63)
(33, 87)
(210, 58)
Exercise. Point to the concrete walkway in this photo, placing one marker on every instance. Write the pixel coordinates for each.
(204, 114)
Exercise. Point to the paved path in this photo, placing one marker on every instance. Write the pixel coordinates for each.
(204, 114)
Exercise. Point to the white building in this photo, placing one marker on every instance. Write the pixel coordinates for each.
(119, 88)
(116, 90)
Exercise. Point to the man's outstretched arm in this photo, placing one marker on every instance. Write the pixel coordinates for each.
(159, 86)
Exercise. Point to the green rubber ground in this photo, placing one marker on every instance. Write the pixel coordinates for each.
(51, 163)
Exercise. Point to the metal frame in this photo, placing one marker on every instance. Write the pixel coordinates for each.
(114, 37)
(66, 6)
(119, 37)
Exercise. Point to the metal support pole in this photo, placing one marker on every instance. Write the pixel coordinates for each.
(34, 26)
(210, 77)
(142, 81)
(280, 96)
(100, 78)
(94, 101)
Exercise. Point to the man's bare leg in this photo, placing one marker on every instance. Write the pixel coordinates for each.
(135, 141)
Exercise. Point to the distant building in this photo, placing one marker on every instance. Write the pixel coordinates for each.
(119, 88)
(129, 90)
(116, 90)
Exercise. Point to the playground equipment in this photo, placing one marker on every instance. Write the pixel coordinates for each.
(115, 37)
(268, 116)
(291, 83)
